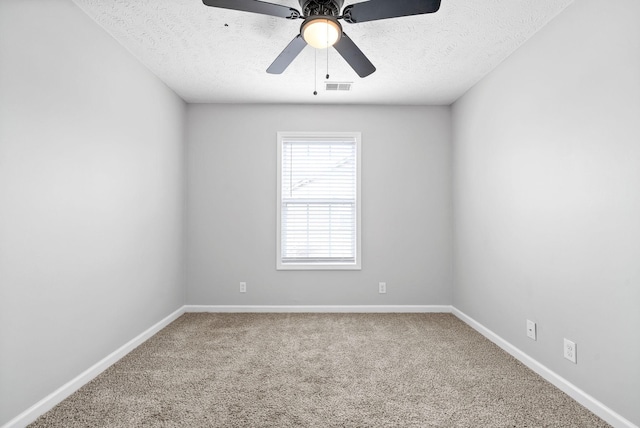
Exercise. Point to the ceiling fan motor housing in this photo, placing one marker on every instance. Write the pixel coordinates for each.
(321, 7)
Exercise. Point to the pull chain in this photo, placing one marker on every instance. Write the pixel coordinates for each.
(315, 73)
(327, 63)
(327, 49)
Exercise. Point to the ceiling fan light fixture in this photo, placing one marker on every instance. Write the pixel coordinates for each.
(321, 32)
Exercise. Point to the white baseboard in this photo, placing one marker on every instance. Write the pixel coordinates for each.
(561, 383)
(47, 403)
(320, 308)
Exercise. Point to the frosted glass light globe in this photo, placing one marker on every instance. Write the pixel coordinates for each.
(321, 32)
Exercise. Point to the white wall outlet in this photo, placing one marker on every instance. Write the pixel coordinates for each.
(531, 329)
(570, 350)
(382, 287)
(243, 287)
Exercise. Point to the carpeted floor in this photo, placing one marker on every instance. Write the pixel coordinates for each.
(318, 370)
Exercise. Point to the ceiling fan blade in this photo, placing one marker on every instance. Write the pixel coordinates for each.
(354, 56)
(287, 56)
(256, 7)
(382, 9)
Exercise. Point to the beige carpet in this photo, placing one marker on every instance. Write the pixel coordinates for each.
(318, 370)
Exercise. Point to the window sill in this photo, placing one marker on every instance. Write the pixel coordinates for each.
(318, 266)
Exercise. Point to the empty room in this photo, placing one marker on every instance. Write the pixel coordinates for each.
(319, 213)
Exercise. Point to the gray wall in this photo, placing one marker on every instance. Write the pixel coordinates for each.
(91, 198)
(547, 199)
(406, 206)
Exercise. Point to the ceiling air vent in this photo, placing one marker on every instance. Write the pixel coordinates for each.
(338, 86)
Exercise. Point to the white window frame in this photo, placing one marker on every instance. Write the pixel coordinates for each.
(305, 136)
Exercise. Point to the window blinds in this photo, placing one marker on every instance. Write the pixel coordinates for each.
(318, 201)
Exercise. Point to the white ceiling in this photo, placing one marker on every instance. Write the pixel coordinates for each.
(212, 55)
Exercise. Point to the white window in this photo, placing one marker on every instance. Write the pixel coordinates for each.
(318, 200)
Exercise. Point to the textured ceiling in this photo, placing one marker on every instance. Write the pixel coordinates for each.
(220, 56)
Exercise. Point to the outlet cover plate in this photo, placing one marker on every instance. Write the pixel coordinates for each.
(531, 330)
(570, 350)
(382, 287)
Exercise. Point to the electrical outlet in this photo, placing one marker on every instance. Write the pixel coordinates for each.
(570, 350)
(243, 287)
(531, 329)
(382, 287)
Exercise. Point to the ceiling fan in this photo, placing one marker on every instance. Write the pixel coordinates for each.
(321, 28)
